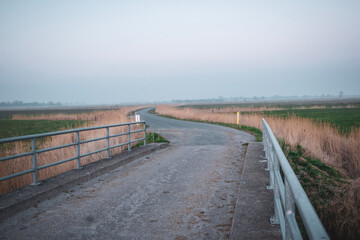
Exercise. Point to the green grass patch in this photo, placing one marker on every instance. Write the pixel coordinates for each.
(152, 138)
(152, 111)
(14, 128)
(155, 138)
(313, 167)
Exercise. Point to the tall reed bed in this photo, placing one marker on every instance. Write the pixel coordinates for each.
(97, 118)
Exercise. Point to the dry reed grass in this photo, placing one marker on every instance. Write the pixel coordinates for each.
(97, 118)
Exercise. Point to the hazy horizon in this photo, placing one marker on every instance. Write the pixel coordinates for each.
(146, 51)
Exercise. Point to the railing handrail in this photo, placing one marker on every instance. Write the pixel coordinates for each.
(289, 194)
(48, 134)
(34, 151)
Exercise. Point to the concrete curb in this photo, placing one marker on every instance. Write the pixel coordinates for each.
(18, 200)
(254, 204)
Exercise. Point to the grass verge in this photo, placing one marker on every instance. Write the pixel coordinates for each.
(151, 138)
(326, 187)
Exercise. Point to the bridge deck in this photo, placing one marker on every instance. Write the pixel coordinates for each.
(200, 187)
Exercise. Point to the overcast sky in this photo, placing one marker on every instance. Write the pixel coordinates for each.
(126, 51)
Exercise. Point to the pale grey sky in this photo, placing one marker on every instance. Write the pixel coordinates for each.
(126, 51)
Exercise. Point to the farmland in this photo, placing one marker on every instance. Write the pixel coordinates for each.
(13, 128)
(288, 104)
(10, 127)
(342, 118)
(343, 115)
(7, 114)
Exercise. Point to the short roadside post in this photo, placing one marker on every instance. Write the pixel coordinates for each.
(137, 118)
(237, 118)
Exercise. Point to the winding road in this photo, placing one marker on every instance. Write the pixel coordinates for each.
(185, 191)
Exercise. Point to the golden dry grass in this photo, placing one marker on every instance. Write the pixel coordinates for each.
(97, 118)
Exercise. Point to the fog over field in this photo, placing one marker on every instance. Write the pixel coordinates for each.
(130, 51)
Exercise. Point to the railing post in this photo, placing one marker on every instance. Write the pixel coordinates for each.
(144, 134)
(78, 150)
(276, 191)
(34, 163)
(270, 168)
(267, 151)
(107, 143)
(292, 230)
(129, 145)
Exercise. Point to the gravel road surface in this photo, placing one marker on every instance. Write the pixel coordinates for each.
(186, 191)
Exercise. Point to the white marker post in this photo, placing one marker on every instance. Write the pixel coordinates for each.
(237, 118)
(137, 118)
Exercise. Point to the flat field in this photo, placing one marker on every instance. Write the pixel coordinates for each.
(7, 114)
(14, 128)
(341, 114)
(342, 118)
(286, 104)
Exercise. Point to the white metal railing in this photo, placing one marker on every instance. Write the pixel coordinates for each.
(34, 151)
(288, 193)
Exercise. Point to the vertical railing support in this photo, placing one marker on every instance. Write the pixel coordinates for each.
(34, 163)
(107, 144)
(292, 230)
(271, 167)
(129, 139)
(78, 150)
(267, 151)
(144, 134)
(275, 186)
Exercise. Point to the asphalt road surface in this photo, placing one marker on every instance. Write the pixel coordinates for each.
(185, 191)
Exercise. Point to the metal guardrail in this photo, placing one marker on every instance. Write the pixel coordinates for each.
(288, 193)
(77, 143)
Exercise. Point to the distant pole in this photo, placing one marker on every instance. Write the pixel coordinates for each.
(237, 118)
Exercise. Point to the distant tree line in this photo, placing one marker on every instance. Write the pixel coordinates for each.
(255, 98)
(17, 103)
